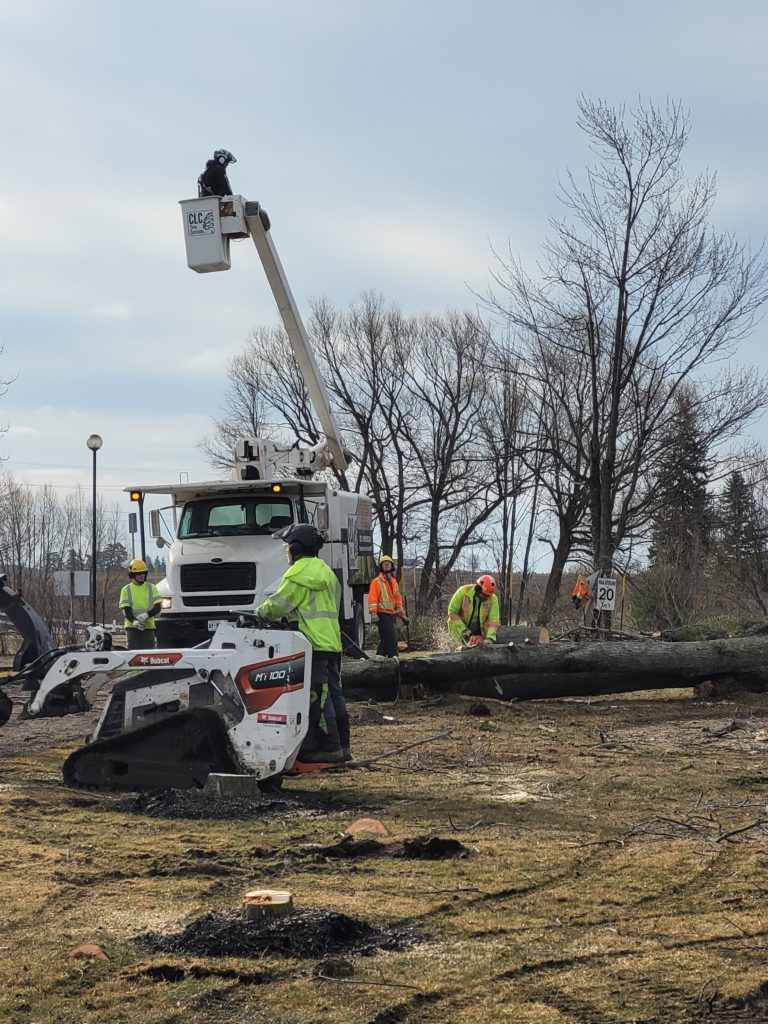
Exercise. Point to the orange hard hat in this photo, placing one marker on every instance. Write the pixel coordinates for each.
(486, 585)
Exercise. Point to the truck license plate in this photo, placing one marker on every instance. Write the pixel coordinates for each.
(213, 625)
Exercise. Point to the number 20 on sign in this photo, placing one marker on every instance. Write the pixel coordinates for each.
(605, 594)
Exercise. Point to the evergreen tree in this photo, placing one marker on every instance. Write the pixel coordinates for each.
(683, 523)
(743, 547)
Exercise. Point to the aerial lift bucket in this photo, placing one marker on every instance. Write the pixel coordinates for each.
(207, 246)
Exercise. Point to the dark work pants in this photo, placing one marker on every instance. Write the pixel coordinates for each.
(140, 639)
(328, 716)
(387, 635)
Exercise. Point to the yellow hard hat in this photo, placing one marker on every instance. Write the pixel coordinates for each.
(386, 558)
(137, 565)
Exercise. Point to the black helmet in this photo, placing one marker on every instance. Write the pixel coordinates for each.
(223, 156)
(305, 534)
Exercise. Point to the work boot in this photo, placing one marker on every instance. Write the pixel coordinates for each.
(347, 754)
(321, 756)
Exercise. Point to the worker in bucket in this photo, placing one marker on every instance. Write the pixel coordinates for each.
(473, 613)
(310, 592)
(385, 603)
(214, 181)
(140, 603)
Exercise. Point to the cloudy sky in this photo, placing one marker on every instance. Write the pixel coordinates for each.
(393, 144)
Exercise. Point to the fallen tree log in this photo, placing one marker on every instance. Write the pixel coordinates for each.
(560, 670)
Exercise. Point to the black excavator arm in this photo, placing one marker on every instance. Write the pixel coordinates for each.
(36, 641)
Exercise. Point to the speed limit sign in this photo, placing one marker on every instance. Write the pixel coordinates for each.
(605, 594)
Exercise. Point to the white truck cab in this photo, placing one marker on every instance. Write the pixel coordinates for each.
(224, 560)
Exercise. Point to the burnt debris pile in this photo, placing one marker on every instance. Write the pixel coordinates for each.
(304, 933)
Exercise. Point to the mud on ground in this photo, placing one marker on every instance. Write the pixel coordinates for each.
(609, 861)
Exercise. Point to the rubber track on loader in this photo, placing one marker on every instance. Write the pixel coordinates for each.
(178, 752)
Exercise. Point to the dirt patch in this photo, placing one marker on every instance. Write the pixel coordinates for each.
(752, 1008)
(195, 805)
(306, 933)
(175, 973)
(347, 849)
(434, 848)
(695, 732)
(419, 848)
(18, 738)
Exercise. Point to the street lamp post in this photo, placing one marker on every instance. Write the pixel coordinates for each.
(94, 442)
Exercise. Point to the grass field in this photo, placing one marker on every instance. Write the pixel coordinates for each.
(614, 871)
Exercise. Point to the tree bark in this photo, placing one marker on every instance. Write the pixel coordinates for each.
(560, 670)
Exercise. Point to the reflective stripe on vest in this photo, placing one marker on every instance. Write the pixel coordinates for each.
(465, 613)
(133, 597)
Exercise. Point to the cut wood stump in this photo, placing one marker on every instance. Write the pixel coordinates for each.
(266, 903)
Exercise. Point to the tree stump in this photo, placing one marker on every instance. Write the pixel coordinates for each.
(266, 903)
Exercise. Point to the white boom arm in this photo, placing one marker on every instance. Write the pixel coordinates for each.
(209, 224)
(294, 327)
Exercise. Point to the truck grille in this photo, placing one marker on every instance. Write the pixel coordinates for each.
(217, 600)
(226, 576)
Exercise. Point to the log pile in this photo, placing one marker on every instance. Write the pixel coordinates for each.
(530, 671)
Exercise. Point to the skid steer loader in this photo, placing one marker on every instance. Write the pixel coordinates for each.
(238, 704)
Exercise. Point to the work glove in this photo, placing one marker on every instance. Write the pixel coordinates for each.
(474, 641)
(489, 641)
(404, 619)
(138, 624)
(374, 620)
(142, 617)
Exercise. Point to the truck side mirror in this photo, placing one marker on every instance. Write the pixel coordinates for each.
(154, 525)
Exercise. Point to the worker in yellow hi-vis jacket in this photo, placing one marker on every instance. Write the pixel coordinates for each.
(473, 612)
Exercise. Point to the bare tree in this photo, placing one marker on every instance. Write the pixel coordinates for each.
(638, 295)
(433, 431)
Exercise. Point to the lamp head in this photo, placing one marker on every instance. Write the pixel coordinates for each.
(94, 442)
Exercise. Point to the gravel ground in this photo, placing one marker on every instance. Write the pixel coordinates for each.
(19, 738)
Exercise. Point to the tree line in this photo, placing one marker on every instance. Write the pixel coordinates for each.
(563, 411)
(42, 533)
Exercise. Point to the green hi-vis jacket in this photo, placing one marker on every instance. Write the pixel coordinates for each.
(140, 598)
(464, 604)
(310, 592)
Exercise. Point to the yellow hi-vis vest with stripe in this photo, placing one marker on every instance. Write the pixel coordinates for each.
(140, 598)
(460, 613)
(309, 592)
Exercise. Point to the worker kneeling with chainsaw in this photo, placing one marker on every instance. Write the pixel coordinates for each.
(140, 602)
(473, 613)
(310, 592)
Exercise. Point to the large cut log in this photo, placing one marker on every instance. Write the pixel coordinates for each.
(560, 670)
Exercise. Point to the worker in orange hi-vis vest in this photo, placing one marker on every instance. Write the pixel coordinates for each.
(385, 603)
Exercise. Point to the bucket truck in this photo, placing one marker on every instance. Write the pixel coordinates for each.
(223, 560)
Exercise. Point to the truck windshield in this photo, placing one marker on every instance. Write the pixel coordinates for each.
(229, 517)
